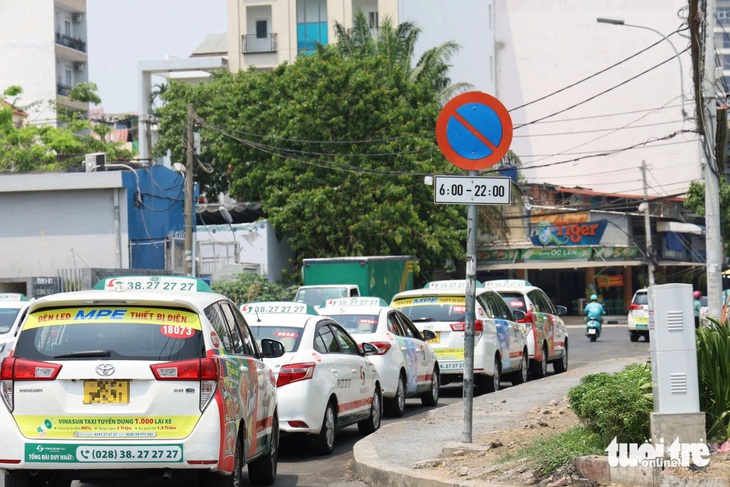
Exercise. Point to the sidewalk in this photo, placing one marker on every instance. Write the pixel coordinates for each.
(388, 457)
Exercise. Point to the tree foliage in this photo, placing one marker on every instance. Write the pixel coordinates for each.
(335, 147)
(31, 147)
(696, 202)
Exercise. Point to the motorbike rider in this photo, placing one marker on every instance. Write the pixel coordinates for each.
(594, 310)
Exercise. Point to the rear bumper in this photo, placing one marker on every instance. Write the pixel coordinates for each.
(199, 450)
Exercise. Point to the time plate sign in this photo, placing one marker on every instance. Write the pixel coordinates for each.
(472, 190)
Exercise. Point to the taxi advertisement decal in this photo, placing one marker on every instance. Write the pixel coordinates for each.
(449, 353)
(79, 453)
(429, 300)
(106, 427)
(170, 319)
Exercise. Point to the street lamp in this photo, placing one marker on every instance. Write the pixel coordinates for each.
(617, 21)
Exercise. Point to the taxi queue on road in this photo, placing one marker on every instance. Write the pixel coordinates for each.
(160, 377)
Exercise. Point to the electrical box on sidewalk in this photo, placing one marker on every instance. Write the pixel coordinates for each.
(673, 349)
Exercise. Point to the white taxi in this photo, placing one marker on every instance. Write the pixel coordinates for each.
(406, 363)
(547, 336)
(12, 311)
(138, 383)
(325, 380)
(500, 345)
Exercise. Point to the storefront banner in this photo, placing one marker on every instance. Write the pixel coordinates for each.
(545, 215)
(563, 234)
(610, 280)
(558, 253)
(498, 255)
(616, 253)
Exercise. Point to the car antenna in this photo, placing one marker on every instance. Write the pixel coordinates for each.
(258, 318)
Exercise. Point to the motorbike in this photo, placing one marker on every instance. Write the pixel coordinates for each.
(593, 328)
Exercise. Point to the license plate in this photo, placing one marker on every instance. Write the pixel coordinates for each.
(451, 366)
(106, 392)
(591, 331)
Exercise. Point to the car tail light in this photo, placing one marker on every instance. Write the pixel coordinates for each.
(382, 347)
(528, 320)
(461, 326)
(203, 369)
(14, 368)
(295, 373)
(634, 307)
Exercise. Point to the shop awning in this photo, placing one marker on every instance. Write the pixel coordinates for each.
(679, 227)
(585, 264)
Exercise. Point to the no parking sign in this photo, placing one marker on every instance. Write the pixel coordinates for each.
(474, 130)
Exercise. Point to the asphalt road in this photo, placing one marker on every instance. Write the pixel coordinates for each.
(299, 468)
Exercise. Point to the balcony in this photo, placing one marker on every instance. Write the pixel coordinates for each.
(255, 43)
(70, 42)
(63, 90)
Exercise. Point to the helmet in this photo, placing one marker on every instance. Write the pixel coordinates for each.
(697, 294)
(594, 297)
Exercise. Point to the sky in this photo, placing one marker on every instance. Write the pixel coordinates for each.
(120, 34)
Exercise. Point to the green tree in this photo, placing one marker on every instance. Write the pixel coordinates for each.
(396, 44)
(696, 202)
(334, 148)
(47, 148)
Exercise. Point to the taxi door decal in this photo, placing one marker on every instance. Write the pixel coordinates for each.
(503, 339)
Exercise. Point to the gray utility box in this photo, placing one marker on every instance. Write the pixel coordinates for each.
(673, 349)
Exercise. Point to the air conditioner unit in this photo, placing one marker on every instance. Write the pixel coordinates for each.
(94, 161)
(79, 67)
(77, 17)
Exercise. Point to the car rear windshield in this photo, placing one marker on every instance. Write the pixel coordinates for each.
(318, 296)
(641, 298)
(357, 324)
(516, 301)
(7, 318)
(120, 333)
(421, 310)
(290, 336)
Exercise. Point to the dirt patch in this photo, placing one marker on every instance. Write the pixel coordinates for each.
(494, 460)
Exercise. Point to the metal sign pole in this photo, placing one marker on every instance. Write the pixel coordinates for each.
(471, 270)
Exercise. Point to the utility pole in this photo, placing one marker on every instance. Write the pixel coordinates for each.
(189, 184)
(713, 239)
(647, 228)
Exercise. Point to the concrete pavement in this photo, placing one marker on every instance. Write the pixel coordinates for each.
(390, 456)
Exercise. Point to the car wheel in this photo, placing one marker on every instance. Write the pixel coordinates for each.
(396, 405)
(560, 366)
(262, 471)
(520, 376)
(490, 384)
(372, 423)
(431, 397)
(324, 442)
(539, 369)
(215, 479)
(633, 336)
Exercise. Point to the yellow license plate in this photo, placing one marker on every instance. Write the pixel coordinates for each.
(106, 392)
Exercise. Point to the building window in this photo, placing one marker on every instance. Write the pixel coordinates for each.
(261, 29)
(723, 15)
(67, 27)
(69, 77)
(311, 24)
(373, 20)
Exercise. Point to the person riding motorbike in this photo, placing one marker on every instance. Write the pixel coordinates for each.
(594, 310)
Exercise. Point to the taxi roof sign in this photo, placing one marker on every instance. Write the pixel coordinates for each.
(13, 297)
(278, 307)
(355, 301)
(153, 283)
(508, 283)
(450, 284)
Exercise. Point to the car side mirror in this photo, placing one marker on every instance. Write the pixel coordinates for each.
(369, 349)
(272, 348)
(519, 314)
(562, 310)
(428, 335)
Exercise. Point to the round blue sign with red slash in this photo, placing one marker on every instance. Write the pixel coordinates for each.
(474, 130)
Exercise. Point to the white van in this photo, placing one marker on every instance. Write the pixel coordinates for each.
(500, 345)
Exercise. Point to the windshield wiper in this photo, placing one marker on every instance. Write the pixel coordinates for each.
(86, 353)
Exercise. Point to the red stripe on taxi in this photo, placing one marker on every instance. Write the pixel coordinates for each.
(349, 406)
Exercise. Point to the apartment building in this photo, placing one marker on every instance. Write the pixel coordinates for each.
(43, 50)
